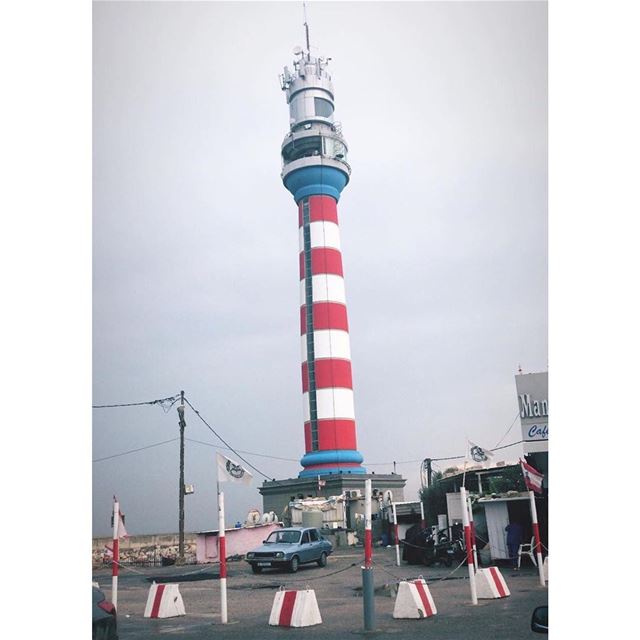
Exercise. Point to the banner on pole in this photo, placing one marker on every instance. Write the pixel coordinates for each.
(532, 477)
(230, 471)
(479, 455)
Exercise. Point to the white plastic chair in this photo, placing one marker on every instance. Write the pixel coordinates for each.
(527, 550)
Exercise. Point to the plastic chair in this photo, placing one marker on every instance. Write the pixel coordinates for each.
(527, 550)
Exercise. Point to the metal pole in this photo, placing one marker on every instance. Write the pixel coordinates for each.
(536, 535)
(222, 554)
(395, 533)
(428, 472)
(467, 542)
(115, 566)
(473, 535)
(368, 596)
(182, 424)
(423, 522)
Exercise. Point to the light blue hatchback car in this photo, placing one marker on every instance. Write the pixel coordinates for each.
(289, 548)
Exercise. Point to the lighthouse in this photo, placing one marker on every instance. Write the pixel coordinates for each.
(315, 171)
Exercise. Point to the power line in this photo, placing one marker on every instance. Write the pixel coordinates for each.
(171, 400)
(125, 453)
(509, 429)
(250, 453)
(217, 435)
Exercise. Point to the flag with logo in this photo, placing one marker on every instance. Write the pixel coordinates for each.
(479, 455)
(122, 532)
(321, 483)
(532, 477)
(230, 471)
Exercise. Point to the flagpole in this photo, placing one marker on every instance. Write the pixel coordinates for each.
(395, 533)
(115, 566)
(536, 535)
(473, 535)
(222, 554)
(467, 544)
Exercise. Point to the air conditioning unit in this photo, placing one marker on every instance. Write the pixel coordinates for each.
(354, 494)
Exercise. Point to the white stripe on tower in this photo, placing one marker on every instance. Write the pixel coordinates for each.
(328, 343)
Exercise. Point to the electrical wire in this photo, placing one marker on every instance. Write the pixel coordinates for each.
(217, 435)
(125, 453)
(162, 402)
(250, 453)
(507, 432)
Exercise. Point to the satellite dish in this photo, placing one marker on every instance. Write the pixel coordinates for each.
(297, 51)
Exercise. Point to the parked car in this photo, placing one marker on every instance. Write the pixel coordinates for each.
(289, 548)
(104, 625)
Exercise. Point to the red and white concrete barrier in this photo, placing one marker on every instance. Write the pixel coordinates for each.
(414, 600)
(295, 609)
(164, 601)
(490, 584)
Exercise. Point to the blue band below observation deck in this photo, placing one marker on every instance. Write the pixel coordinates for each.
(319, 180)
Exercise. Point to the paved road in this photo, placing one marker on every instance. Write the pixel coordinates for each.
(251, 597)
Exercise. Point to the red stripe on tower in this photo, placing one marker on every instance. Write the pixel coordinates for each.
(321, 209)
(323, 260)
(326, 315)
(330, 373)
(332, 434)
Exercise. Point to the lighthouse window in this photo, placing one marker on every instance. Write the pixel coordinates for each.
(302, 148)
(335, 149)
(323, 107)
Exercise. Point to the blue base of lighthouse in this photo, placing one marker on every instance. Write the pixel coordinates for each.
(330, 457)
(319, 180)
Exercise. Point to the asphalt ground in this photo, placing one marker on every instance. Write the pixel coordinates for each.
(338, 592)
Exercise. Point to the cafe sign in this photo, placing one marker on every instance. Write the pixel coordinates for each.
(533, 403)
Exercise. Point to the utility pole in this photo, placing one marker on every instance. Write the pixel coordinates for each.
(182, 424)
(428, 461)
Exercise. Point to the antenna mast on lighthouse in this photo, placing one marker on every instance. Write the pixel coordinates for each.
(306, 30)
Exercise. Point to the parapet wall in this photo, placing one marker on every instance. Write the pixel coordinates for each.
(145, 549)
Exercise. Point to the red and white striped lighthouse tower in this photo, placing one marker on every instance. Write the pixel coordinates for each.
(315, 171)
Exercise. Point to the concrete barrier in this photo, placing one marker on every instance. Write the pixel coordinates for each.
(490, 584)
(164, 601)
(295, 609)
(414, 600)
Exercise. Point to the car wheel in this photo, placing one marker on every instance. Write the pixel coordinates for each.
(256, 569)
(293, 565)
(322, 560)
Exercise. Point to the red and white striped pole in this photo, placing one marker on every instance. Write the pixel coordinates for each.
(368, 536)
(222, 554)
(396, 537)
(115, 564)
(467, 544)
(536, 535)
(368, 590)
(473, 535)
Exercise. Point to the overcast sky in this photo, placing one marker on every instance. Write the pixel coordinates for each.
(444, 236)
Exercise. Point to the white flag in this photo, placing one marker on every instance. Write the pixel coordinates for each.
(479, 455)
(122, 532)
(230, 471)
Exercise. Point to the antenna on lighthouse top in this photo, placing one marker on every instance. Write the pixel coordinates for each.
(306, 29)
